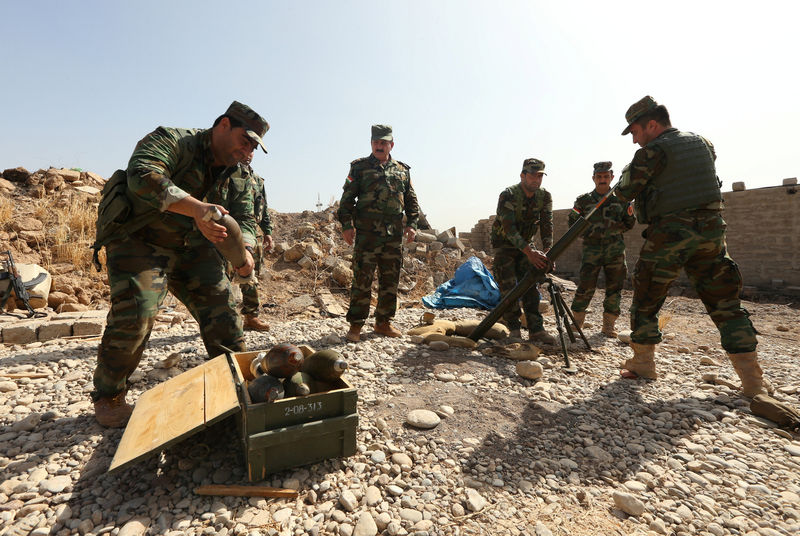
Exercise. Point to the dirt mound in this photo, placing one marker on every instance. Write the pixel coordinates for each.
(47, 217)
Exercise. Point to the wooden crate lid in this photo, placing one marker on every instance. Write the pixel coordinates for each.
(176, 409)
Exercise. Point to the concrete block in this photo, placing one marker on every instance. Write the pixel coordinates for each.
(21, 333)
(738, 186)
(790, 182)
(425, 238)
(444, 236)
(55, 329)
(435, 246)
(89, 326)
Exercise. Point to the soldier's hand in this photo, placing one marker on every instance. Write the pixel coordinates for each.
(537, 258)
(248, 266)
(268, 242)
(212, 230)
(349, 236)
(410, 234)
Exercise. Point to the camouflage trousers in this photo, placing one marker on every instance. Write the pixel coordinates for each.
(695, 243)
(140, 274)
(511, 265)
(250, 302)
(373, 251)
(611, 259)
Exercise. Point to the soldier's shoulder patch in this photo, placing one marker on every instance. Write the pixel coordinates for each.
(630, 209)
(403, 164)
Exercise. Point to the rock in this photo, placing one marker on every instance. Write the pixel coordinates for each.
(56, 484)
(7, 386)
(530, 369)
(365, 526)
(475, 501)
(628, 503)
(135, 527)
(423, 418)
(348, 500)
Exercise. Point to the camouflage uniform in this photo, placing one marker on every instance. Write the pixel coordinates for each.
(250, 302)
(518, 219)
(375, 197)
(603, 248)
(169, 252)
(693, 239)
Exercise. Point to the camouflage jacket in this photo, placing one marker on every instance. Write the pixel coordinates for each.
(519, 217)
(649, 162)
(608, 223)
(170, 164)
(376, 196)
(260, 208)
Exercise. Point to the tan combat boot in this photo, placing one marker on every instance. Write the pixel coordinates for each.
(112, 411)
(749, 371)
(354, 334)
(253, 323)
(386, 328)
(609, 322)
(542, 336)
(643, 362)
(579, 318)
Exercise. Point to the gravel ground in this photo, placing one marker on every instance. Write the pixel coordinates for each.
(580, 454)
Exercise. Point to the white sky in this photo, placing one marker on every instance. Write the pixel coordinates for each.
(471, 88)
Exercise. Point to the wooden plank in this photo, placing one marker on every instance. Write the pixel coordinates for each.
(164, 415)
(220, 394)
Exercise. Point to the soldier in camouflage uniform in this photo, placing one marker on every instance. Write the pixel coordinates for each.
(522, 210)
(151, 222)
(673, 179)
(603, 248)
(377, 193)
(251, 305)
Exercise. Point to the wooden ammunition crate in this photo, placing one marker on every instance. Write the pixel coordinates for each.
(295, 431)
(279, 435)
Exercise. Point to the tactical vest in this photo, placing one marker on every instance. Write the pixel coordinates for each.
(689, 180)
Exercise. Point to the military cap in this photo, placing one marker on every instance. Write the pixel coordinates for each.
(533, 165)
(382, 132)
(637, 110)
(600, 167)
(255, 125)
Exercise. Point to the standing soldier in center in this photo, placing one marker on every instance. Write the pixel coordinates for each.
(377, 193)
(603, 248)
(251, 306)
(522, 210)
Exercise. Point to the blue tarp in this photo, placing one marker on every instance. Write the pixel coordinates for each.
(472, 286)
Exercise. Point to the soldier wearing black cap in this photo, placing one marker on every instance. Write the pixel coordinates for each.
(603, 248)
(523, 210)
(674, 182)
(151, 222)
(377, 194)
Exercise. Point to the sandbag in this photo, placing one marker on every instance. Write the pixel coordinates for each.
(466, 327)
(453, 341)
(517, 351)
(38, 293)
(781, 414)
(445, 327)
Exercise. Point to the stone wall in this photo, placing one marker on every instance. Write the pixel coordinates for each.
(763, 237)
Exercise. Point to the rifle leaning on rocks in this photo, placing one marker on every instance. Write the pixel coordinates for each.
(8, 270)
(535, 275)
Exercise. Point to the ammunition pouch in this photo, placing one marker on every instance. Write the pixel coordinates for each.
(114, 214)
